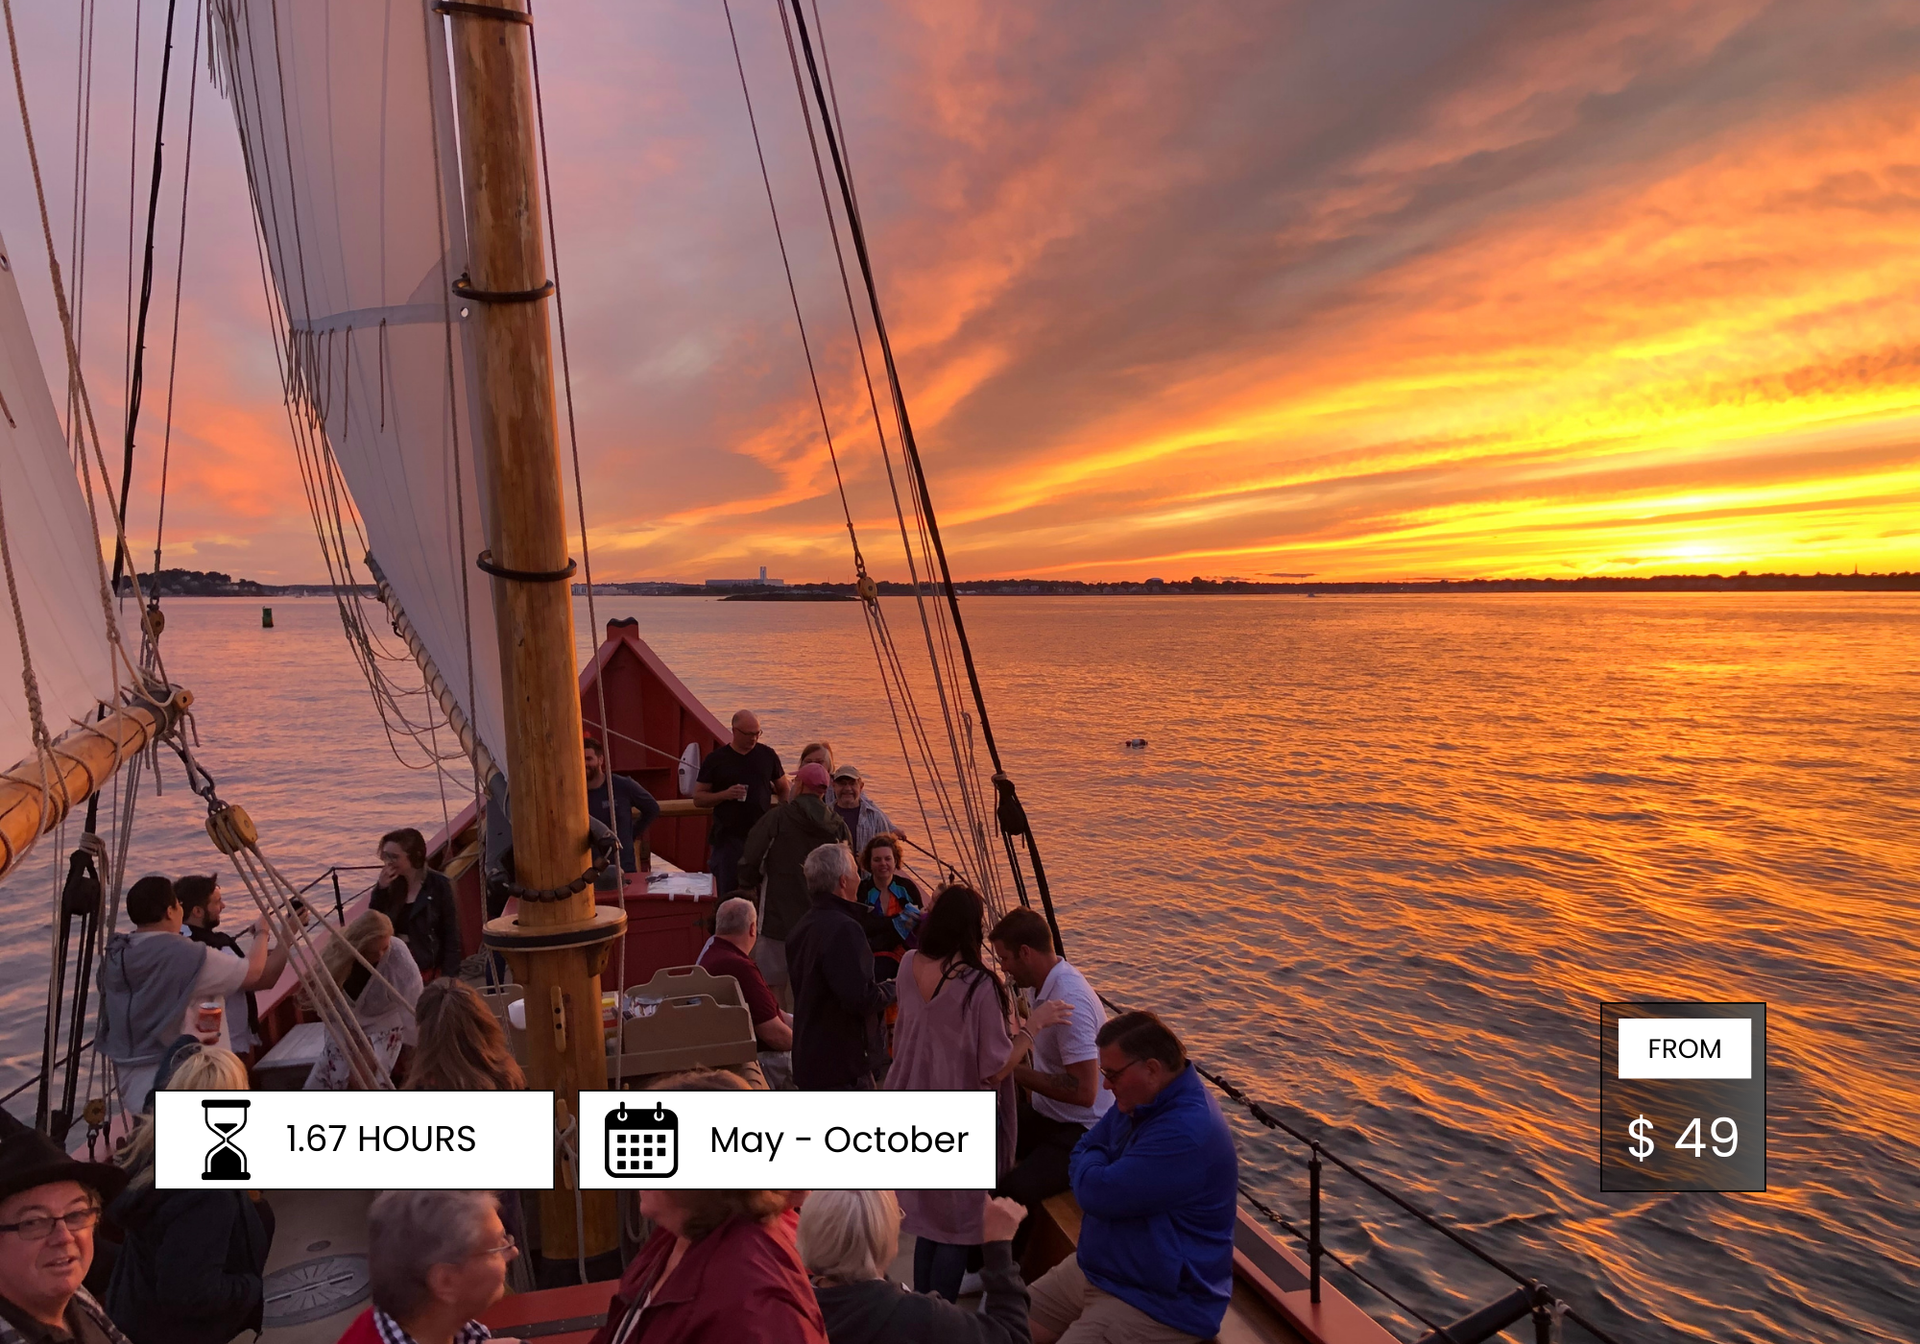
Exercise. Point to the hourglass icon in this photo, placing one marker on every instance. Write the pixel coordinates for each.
(225, 1161)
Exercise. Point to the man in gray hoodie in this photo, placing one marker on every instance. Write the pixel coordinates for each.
(153, 980)
(776, 849)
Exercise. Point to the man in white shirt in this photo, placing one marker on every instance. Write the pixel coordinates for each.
(203, 903)
(1061, 1092)
(153, 980)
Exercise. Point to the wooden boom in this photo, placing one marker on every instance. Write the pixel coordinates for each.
(85, 758)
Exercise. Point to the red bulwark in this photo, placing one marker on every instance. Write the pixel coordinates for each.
(651, 718)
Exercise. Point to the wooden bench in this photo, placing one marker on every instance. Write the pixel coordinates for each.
(571, 1315)
(285, 1067)
(1054, 1234)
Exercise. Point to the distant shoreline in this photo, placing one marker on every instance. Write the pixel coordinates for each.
(1671, 583)
(195, 583)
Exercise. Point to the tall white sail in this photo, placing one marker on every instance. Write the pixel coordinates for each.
(56, 559)
(345, 123)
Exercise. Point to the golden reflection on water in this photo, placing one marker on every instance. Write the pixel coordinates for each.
(1380, 862)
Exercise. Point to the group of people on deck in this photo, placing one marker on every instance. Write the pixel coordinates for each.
(856, 977)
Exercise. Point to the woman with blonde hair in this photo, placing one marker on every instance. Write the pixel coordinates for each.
(461, 1046)
(718, 1269)
(849, 1237)
(191, 1263)
(383, 1003)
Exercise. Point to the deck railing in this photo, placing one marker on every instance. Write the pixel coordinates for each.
(333, 875)
(1529, 1298)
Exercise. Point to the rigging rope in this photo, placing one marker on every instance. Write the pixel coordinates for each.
(304, 361)
(234, 834)
(117, 652)
(869, 592)
(137, 333)
(77, 236)
(1010, 814)
(439, 70)
(982, 874)
(179, 274)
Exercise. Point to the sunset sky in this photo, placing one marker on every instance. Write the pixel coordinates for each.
(1381, 288)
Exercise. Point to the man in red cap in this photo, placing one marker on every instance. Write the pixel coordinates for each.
(49, 1206)
(776, 848)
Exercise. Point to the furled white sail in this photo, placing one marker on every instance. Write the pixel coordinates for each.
(344, 119)
(56, 560)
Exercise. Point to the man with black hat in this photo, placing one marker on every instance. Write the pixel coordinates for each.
(49, 1206)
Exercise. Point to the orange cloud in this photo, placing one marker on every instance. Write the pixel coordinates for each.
(1596, 286)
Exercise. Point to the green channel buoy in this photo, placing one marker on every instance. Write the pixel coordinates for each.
(266, 618)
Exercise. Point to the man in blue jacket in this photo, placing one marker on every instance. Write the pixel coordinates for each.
(1158, 1182)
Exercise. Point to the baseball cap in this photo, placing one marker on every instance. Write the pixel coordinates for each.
(849, 772)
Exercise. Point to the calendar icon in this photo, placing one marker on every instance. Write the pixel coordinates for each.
(643, 1143)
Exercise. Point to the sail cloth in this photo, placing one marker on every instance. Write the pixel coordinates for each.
(56, 558)
(343, 109)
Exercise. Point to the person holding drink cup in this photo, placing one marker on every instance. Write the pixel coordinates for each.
(157, 985)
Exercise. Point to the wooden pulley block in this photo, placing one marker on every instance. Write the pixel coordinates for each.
(231, 829)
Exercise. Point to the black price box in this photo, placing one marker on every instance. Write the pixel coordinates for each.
(1683, 1096)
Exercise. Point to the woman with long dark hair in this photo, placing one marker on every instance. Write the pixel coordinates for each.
(420, 903)
(463, 1048)
(956, 1033)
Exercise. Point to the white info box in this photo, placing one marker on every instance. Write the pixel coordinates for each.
(787, 1140)
(353, 1140)
(1686, 1047)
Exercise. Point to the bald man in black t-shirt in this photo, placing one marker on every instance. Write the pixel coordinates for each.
(740, 780)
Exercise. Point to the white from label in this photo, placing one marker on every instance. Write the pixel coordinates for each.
(1686, 1047)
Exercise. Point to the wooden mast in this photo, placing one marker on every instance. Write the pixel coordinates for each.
(557, 947)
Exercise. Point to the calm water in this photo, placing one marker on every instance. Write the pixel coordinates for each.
(1380, 862)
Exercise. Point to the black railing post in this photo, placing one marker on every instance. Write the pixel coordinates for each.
(1313, 1225)
(1545, 1318)
(339, 911)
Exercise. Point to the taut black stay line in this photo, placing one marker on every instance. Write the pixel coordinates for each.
(1011, 814)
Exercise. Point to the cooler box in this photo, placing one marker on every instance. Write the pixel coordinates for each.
(698, 1021)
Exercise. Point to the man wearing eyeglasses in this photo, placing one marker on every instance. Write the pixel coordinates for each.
(740, 780)
(49, 1206)
(437, 1260)
(1157, 1181)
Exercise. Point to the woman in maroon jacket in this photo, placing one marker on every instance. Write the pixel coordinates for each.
(717, 1271)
